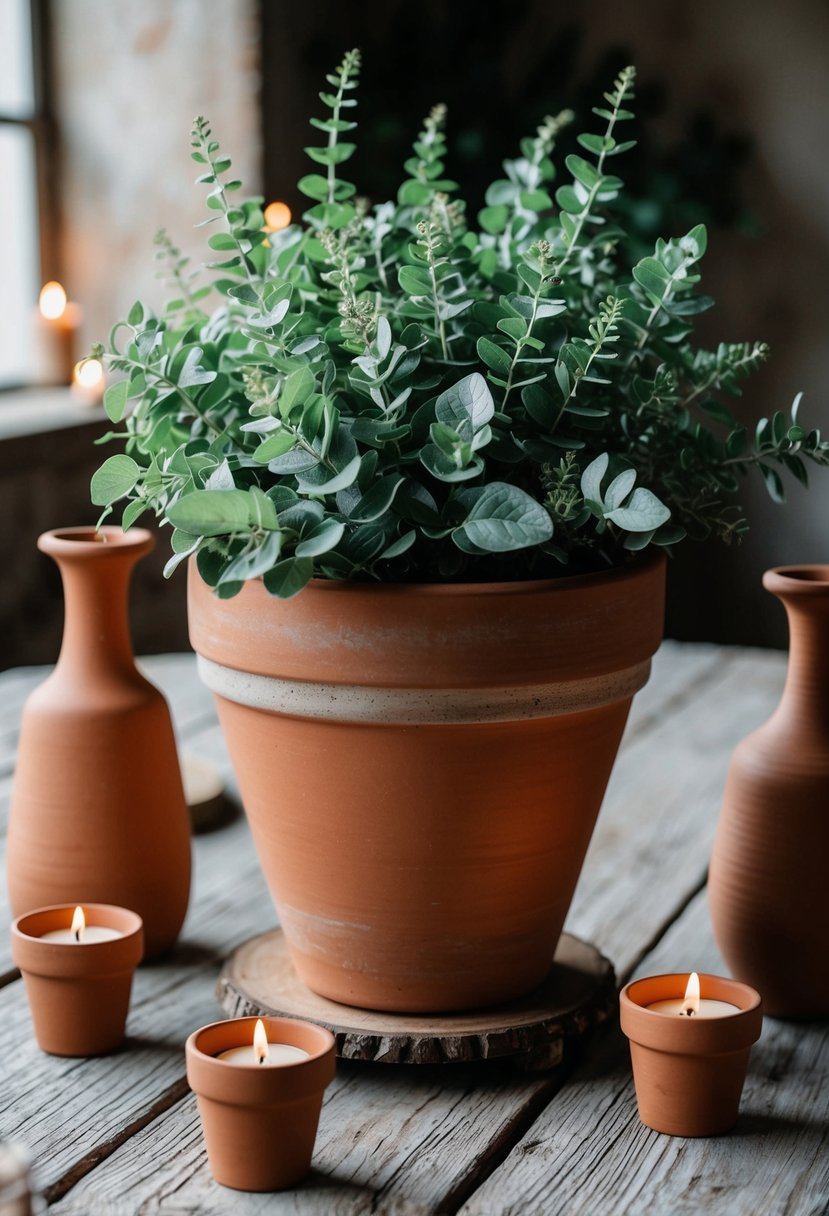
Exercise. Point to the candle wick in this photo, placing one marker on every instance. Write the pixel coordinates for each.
(77, 935)
(261, 1059)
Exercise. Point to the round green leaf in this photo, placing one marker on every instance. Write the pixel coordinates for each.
(115, 478)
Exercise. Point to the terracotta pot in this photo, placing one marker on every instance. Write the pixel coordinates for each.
(689, 1072)
(422, 767)
(98, 811)
(769, 865)
(79, 994)
(259, 1123)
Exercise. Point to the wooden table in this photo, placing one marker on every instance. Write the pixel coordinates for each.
(119, 1135)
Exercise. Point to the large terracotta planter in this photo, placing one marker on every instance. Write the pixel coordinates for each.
(98, 812)
(422, 767)
(767, 885)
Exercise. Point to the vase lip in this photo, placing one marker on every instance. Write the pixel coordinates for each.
(89, 541)
(797, 580)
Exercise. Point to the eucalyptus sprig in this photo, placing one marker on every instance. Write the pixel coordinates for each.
(389, 392)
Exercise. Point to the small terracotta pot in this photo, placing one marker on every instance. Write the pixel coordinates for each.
(259, 1123)
(689, 1072)
(79, 994)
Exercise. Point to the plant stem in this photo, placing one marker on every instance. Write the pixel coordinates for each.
(581, 219)
(519, 345)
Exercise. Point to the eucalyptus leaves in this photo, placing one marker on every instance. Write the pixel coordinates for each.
(390, 392)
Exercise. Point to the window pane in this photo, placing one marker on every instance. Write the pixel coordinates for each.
(18, 254)
(16, 87)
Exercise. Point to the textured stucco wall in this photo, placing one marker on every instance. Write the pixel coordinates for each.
(129, 79)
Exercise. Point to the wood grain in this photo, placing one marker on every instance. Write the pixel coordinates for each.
(534, 1033)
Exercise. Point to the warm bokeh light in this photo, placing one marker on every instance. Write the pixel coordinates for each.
(260, 1041)
(52, 301)
(690, 1005)
(89, 373)
(277, 216)
(78, 923)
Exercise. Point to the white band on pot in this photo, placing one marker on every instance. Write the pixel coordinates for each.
(419, 706)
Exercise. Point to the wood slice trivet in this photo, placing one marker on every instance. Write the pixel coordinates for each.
(534, 1033)
(205, 793)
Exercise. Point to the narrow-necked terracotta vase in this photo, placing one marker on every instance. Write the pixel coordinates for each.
(98, 811)
(770, 863)
(78, 992)
(422, 767)
(259, 1122)
(689, 1072)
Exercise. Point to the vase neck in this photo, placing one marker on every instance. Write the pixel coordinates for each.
(805, 700)
(96, 568)
(96, 623)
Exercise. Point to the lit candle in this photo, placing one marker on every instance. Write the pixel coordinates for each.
(263, 1052)
(277, 216)
(78, 977)
(692, 1005)
(80, 933)
(689, 1053)
(88, 381)
(57, 320)
(259, 1122)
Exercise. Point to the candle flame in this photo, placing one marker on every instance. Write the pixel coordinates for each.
(78, 923)
(277, 216)
(260, 1041)
(89, 373)
(690, 1006)
(52, 301)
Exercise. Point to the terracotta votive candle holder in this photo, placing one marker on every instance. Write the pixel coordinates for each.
(78, 990)
(260, 1120)
(689, 1070)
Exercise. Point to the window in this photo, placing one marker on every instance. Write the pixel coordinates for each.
(23, 157)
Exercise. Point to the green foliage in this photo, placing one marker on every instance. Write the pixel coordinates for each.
(391, 392)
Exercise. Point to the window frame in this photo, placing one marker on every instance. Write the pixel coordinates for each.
(40, 122)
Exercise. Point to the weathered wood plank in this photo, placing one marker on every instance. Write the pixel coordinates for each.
(588, 1152)
(71, 1114)
(428, 1164)
(421, 1140)
(386, 1143)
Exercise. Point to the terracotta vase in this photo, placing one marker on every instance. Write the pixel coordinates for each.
(259, 1123)
(422, 767)
(98, 812)
(78, 993)
(689, 1072)
(767, 885)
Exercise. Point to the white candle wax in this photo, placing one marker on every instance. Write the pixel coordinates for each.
(707, 1008)
(278, 1053)
(89, 934)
